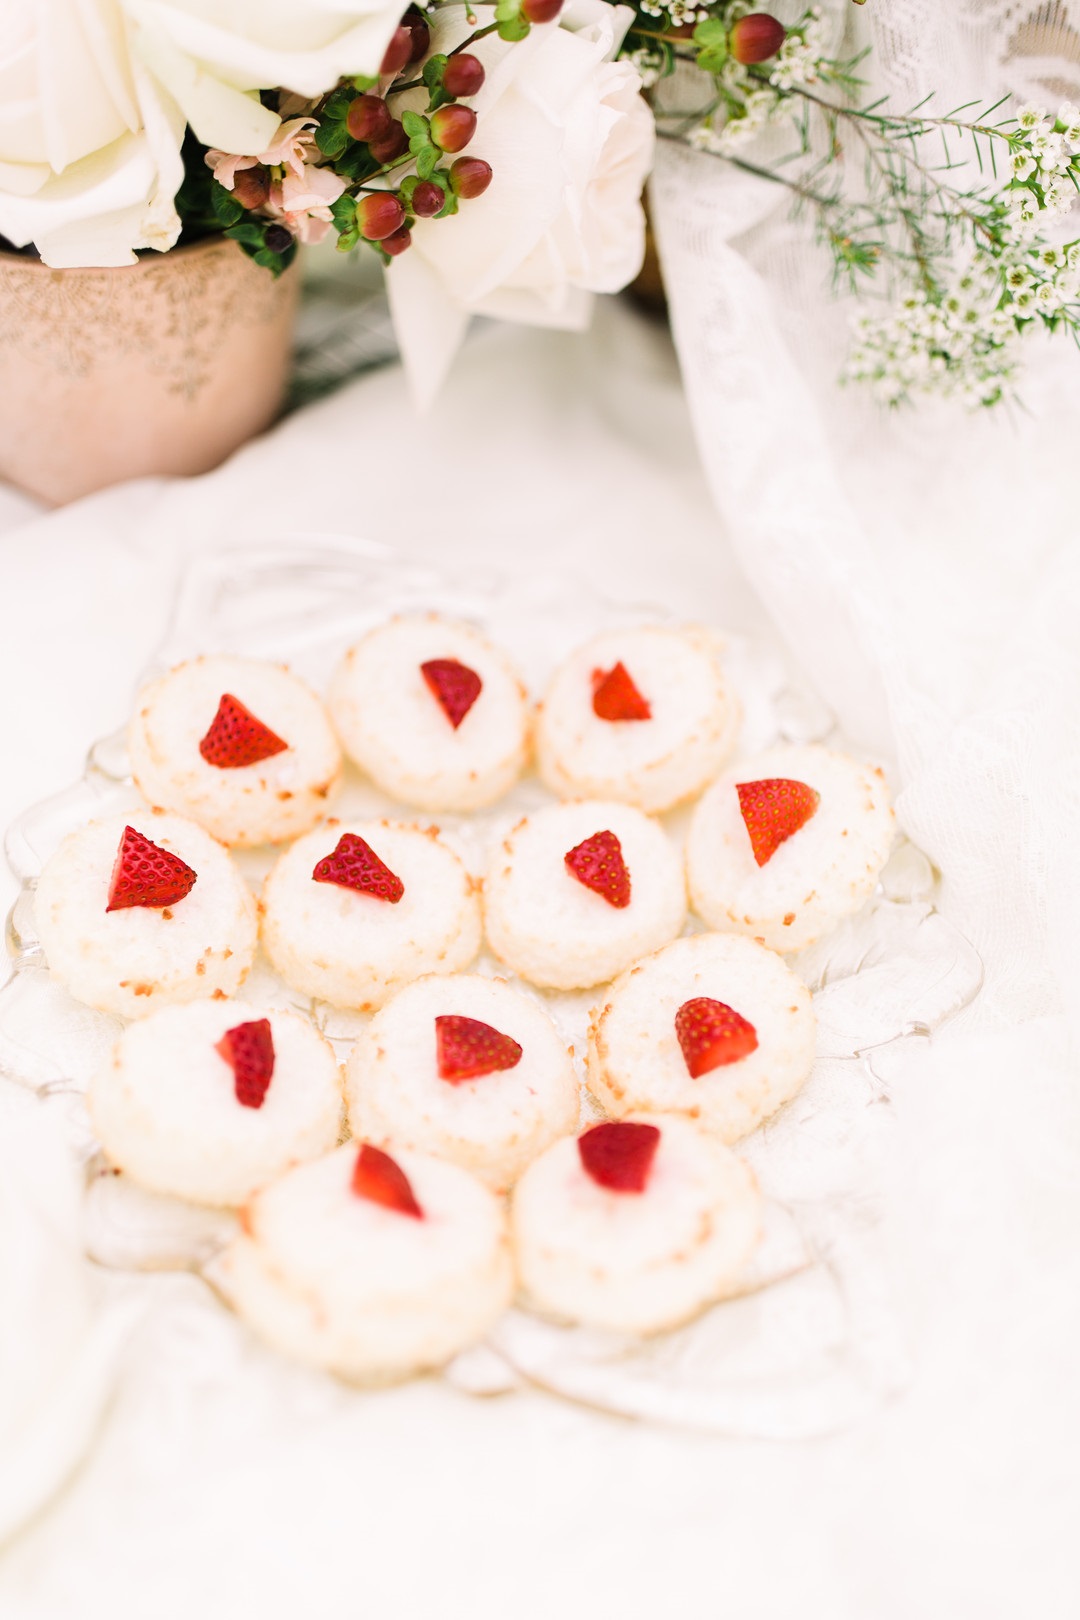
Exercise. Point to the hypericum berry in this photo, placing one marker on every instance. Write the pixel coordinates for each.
(397, 242)
(618, 1154)
(598, 864)
(398, 53)
(756, 38)
(368, 119)
(463, 75)
(711, 1034)
(237, 737)
(392, 145)
(421, 34)
(453, 127)
(379, 215)
(353, 864)
(469, 176)
(381, 1180)
(278, 238)
(773, 811)
(427, 199)
(540, 11)
(251, 187)
(615, 697)
(144, 874)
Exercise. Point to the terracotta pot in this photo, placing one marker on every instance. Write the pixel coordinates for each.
(165, 366)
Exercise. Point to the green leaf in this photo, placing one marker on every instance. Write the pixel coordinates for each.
(434, 68)
(249, 232)
(331, 138)
(415, 126)
(450, 205)
(426, 161)
(225, 206)
(364, 82)
(513, 28)
(713, 31)
(347, 241)
(407, 187)
(338, 103)
(343, 213)
(356, 162)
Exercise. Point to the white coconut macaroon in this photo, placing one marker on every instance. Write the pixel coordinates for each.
(136, 913)
(644, 715)
(369, 1266)
(467, 1068)
(433, 712)
(244, 748)
(577, 892)
(212, 1100)
(714, 1026)
(350, 913)
(635, 1226)
(787, 843)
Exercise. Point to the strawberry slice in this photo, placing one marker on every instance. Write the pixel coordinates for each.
(353, 864)
(773, 810)
(144, 874)
(455, 685)
(598, 863)
(236, 738)
(381, 1180)
(619, 1154)
(466, 1048)
(712, 1034)
(615, 697)
(248, 1049)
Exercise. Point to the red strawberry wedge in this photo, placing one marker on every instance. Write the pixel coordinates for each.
(454, 685)
(353, 864)
(773, 811)
(618, 1155)
(615, 697)
(466, 1048)
(598, 864)
(381, 1180)
(711, 1034)
(236, 738)
(146, 875)
(248, 1049)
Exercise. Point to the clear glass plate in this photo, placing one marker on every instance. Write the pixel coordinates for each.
(811, 1343)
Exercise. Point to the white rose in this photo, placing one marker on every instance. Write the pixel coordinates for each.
(89, 145)
(570, 142)
(215, 55)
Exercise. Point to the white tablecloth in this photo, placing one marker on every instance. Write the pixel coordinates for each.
(221, 1484)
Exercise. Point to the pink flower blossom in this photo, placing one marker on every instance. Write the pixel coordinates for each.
(302, 202)
(293, 143)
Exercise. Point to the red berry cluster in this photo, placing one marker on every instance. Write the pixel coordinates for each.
(385, 215)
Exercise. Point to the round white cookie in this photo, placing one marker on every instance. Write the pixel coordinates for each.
(275, 798)
(134, 960)
(553, 930)
(637, 1060)
(355, 949)
(654, 762)
(363, 1290)
(818, 875)
(494, 1123)
(166, 1108)
(636, 1262)
(395, 727)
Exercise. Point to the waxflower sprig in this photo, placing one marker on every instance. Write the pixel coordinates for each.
(966, 263)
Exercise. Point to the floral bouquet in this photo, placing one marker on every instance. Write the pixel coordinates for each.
(494, 155)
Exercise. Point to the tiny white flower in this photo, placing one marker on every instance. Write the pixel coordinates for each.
(1023, 164)
(1017, 278)
(1033, 119)
(1047, 298)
